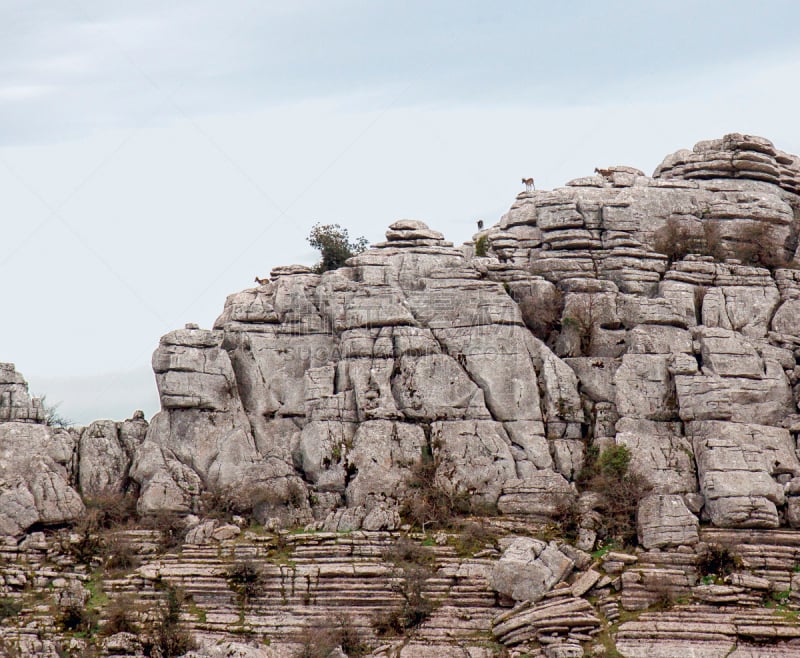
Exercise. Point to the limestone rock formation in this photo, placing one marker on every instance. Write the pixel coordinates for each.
(321, 392)
(314, 393)
(621, 329)
(46, 469)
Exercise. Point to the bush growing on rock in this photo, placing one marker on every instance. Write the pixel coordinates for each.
(9, 608)
(119, 554)
(542, 314)
(320, 640)
(165, 635)
(717, 560)
(620, 489)
(676, 241)
(245, 579)
(171, 528)
(52, 417)
(77, 618)
(120, 617)
(427, 502)
(415, 565)
(334, 243)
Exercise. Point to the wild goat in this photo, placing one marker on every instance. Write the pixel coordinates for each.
(529, 184)
(262, 282)
(605, 173)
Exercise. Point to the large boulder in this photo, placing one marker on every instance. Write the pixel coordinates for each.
(529, 568)
(35, 476)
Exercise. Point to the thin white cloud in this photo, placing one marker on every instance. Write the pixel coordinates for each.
(26, 92)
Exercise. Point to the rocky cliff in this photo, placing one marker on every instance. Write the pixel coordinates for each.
(651, 320)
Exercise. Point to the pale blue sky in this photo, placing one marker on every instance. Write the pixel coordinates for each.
(154, 160)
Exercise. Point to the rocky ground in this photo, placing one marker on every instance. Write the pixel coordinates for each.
(574, 435)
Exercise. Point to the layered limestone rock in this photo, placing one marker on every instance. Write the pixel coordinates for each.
(655, 314)
(323, 390)
(314, 395)
(15, 402)
(687, 359)
(46, 471)
(36, 461)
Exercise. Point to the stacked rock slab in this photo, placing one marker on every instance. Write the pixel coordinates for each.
(319, 392)
(46, 471)
(15, 402)
(690, 364)
(330, 387)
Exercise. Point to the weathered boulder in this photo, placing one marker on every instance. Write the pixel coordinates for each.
(529, 568)
(15, 402)
(35, 464)
(663, 520)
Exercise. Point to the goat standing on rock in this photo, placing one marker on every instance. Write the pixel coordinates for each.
(529, 184)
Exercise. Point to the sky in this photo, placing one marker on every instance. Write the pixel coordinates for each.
(155, 157)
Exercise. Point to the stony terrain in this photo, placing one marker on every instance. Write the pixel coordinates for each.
(600, 393)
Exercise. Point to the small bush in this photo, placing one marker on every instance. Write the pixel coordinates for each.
(757, 247)
(245, 579)
(676, 241)
(614, 461)
(429, 503)
(111, 509)
(405, 552)
(52, 417)
(415, 609)
(77, 619)
(333, 242)
(414, 564)
(472, 537)
(582, 311)
(223, 503)
(718, 560)
(542, 315)
(9, 608)
(482, 246)
(166, 636)
(620, 489)
(120, 617)
(320, 640)
(88, 546)
(119, 554)
(171, 528)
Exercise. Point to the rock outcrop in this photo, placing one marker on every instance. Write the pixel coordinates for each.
(621, 329)
(47, 471)
(321, 392)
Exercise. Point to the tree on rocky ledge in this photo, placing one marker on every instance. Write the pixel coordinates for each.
(333, 242)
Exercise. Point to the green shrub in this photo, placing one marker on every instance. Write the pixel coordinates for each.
(614, 461)
(333, 242)
(717, 560)
(319, 640)
(166, 636)
(620, 488)
(427, 502)
(245, 579)
(482, 246)
(9, 608)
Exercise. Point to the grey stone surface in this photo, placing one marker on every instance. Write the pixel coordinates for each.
(529, 568)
